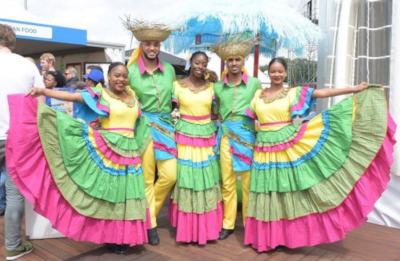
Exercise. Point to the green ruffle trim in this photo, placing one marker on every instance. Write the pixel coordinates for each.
(162, 130)
(98, 90)
(131, 209)
(315, 168)
(194, 130)
(82, 169)
(142, 134)
(271, 138)
(368, 134)
(236, 138)
(168, 120)
(87, 173)
(115, 140)
(199, 179)
(198, 202)
(249, 127)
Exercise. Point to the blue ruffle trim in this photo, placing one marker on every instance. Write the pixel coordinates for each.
(201, 164)
(307, 106)
(89, 111)
(309, 155)
(96, 158)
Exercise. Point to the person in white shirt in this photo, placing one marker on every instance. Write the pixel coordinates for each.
(17, 75)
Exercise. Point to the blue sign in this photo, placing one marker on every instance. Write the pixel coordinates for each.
(48, 33)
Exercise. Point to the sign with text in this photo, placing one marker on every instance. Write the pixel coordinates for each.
(31, 30)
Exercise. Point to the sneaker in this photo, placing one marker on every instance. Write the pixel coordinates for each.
(23, 249)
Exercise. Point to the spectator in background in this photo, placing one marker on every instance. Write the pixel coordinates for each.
(53, 79)
(95, 67)
(79, 86)
(47, 61)
(17, 75)
(70, 77)
(93, 78)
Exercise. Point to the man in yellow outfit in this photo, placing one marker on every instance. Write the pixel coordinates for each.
(152, 79)
(234, 93)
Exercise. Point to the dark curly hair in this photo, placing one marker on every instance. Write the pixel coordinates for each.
(58, 77)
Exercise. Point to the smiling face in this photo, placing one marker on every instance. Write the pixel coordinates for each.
(118, 78)
(151, 49)
(277, 73)
(234, 65)
(198, 65)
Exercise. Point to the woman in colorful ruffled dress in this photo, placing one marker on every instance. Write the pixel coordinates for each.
(196, 203)
(312, 183)
(87, 182)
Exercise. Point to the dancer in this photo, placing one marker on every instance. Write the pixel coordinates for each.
(152, 79)
(196, 203)
(312, 183)
(88, 183)
(233, 93)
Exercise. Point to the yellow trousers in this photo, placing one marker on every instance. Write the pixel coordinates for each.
(229, 194)
(156, 193)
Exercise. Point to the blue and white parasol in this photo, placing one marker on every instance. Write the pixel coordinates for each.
(278, 24)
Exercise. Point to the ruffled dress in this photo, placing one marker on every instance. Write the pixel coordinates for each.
(88, 183)
(312, 183)
(195, 207)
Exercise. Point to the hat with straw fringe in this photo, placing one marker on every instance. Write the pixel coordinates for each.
(235, 45)
(147, 31)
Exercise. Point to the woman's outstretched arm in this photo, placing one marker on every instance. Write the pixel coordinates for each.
(59, 95)
(325, 93)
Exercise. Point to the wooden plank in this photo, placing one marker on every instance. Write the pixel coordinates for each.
(3, 252)
(342, 257)
(328, 256)
(367, 242)
(160, 258)
(300, 253)
(149, 256)
(44, 247)
(315, 254)
(359, 259)
(80, 246)
(67, 248)
(278, 256)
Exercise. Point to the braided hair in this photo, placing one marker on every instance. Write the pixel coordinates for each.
(113, 65)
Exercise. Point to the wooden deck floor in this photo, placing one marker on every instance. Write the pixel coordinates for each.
(369, 242)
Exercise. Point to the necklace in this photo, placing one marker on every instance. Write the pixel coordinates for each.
(193, 89)
(132, 100)
(280, 95)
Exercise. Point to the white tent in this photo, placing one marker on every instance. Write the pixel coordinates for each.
(361, 44)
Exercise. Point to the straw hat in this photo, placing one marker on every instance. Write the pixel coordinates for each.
(147, 31)
(234, 47)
